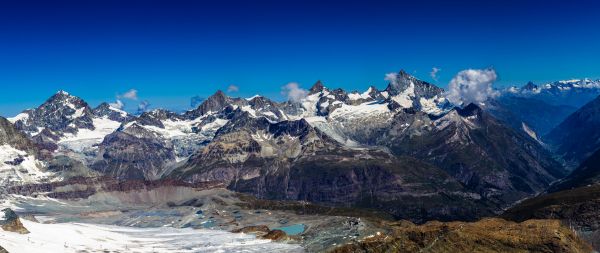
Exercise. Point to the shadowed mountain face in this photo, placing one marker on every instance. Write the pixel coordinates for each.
(523, 113)
(577, 137)
(20, 158)
(538, 109)
(478, 151)
(10, 136)
(588, 173)
(291, 160)
(574, 199)
(134, 153)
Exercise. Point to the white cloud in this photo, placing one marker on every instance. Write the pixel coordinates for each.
(130, 94)
(392, 78)
(434, 72)
(293, 92)
(143, 106)
(472, 86)
(233, 88)
(117, 104)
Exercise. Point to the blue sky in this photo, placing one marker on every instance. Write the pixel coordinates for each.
(170, 51)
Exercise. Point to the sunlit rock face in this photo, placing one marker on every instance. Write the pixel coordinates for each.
(9, 221)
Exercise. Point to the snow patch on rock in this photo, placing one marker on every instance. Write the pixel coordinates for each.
(405, 98)
(19, 167)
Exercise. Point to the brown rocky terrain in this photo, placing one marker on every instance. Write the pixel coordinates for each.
(578, 208)
(574, 199)
(11, 222)
(487, 235)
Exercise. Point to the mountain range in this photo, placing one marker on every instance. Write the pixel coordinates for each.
(404, 151)
(373, 149)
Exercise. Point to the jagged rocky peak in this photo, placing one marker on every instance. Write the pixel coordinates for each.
(339, 94)
(530, 86)
(470, 110)
(399, 83)
(373, 91)
(403, 82)
(64, 99)
(471, 116)
(103, 107)
(317, 87)
(213, 104)
(356, 97)
(156, 117)
(407, 92)
(330, 100)
(260, 106)
(575, 92)
(61, 113)
(110, 112)
(261, 102)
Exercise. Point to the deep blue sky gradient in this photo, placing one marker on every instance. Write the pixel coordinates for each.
(172, 50)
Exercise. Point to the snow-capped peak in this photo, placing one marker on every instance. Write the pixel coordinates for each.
(62, 92)
(19, 117)
(556, 87)
(123, 113)
(317, 87)
(365, 95)
(111, 112)
(569, 81)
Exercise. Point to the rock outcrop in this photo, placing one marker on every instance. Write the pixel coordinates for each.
(276, 235)
(263, 232)
(134, 153)
(9, 221)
